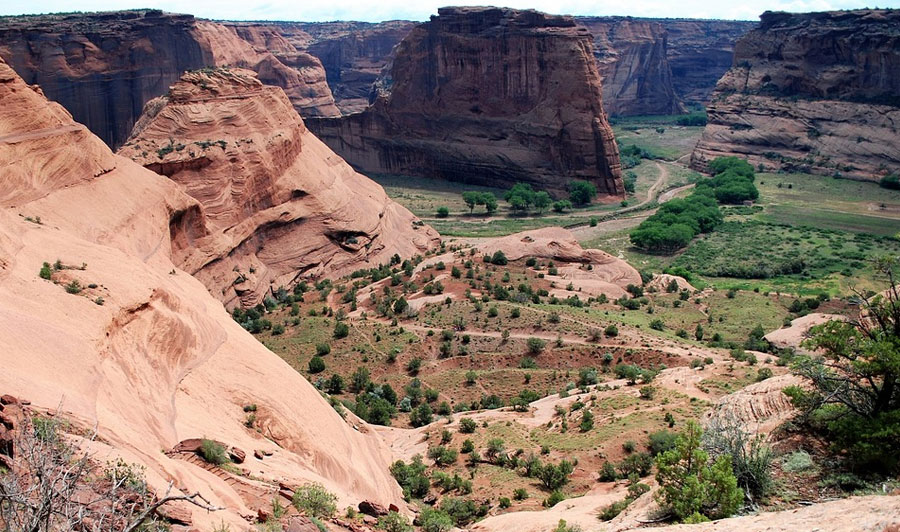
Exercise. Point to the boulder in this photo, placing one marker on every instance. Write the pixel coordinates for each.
(372, 508)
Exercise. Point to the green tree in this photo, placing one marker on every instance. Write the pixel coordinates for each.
(555, 476)
(471, 198)
(582, 192)
(562, 205)
(520, 197)
(690, 484)
(855, 395)
(443, 212)
(542, 200)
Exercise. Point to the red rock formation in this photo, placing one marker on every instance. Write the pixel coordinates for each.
(631, 56)
(816, 92)
(700, 52)
(354, 54)
(277, 203)
(103, 67)
(490, 96)
(159, 361)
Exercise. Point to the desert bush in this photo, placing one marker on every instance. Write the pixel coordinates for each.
(316, 365)
(411, 477)
(315, 500)
(213, 452)
(432, 520)
(690, 483)
(467, 425)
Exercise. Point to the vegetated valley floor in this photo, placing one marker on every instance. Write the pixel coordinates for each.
(465, 349)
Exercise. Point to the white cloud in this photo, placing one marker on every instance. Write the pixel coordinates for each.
(307, 10)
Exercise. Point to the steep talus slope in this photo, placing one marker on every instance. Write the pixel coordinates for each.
(103, 67)
(817, 92)
(278, 204)
(354, 54)
(700, 52)
(489, 96)
(632, 58)
(157, 360)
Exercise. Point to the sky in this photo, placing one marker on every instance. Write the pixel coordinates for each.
(378, 10)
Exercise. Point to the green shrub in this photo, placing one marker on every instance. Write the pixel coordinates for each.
(323, 349)
(535, 345)
(690, 484)
(432, 520)
(661, 441)
(520, 494)
(341, 330)
(316, 365)
(467, 425)
(46, 272)
(797, 462)
(443, 212)
(315, 500)
(611, 331)
(213, 452)
(411, 477)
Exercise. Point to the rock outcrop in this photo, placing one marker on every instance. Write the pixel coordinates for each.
(354, 54)
(632, 58)
(700, 52)
(489, 96)
(276, 204)
(816, 93)
(138, 349)
(103, 67)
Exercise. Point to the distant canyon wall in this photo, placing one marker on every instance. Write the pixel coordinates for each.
(815, 92)
(649, 66)
(489, 96)
(103, 67)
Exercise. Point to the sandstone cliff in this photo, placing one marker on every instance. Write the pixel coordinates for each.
(103, 67)
(354, 54)
(142, 352)
(490, 96)
(816, 92)
(700, 52)
(633, 62)
(277, 203)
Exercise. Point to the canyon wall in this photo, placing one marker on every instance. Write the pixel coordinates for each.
(103, 67)
(136, 349)
(816, 92)
(277, 204)
(354, 54)
(489, 96)
(632, 58)
(700, 52)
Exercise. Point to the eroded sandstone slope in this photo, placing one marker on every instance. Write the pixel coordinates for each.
(278, 205)
(137, 347)
(103, 67)
(815, 92)
(489, 96)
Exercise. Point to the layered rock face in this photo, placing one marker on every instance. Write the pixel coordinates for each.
(489, 96)
(277, 204)
(103, 67)
(633, 61)
(700, 52)
(143, 353)
(817, 92)
(354, 54)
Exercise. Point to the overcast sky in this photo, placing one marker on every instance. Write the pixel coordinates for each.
(377, 10)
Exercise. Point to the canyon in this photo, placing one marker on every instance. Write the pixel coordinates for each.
(103, 67)
(814, 93)
(477, 95)
(276, 205)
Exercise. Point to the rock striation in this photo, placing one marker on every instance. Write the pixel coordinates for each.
(354, 54)
(277, 204)
(141, 352)
(488, 96)
(633, 62)
(816, 93)
(699, 52)
(103, 67)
